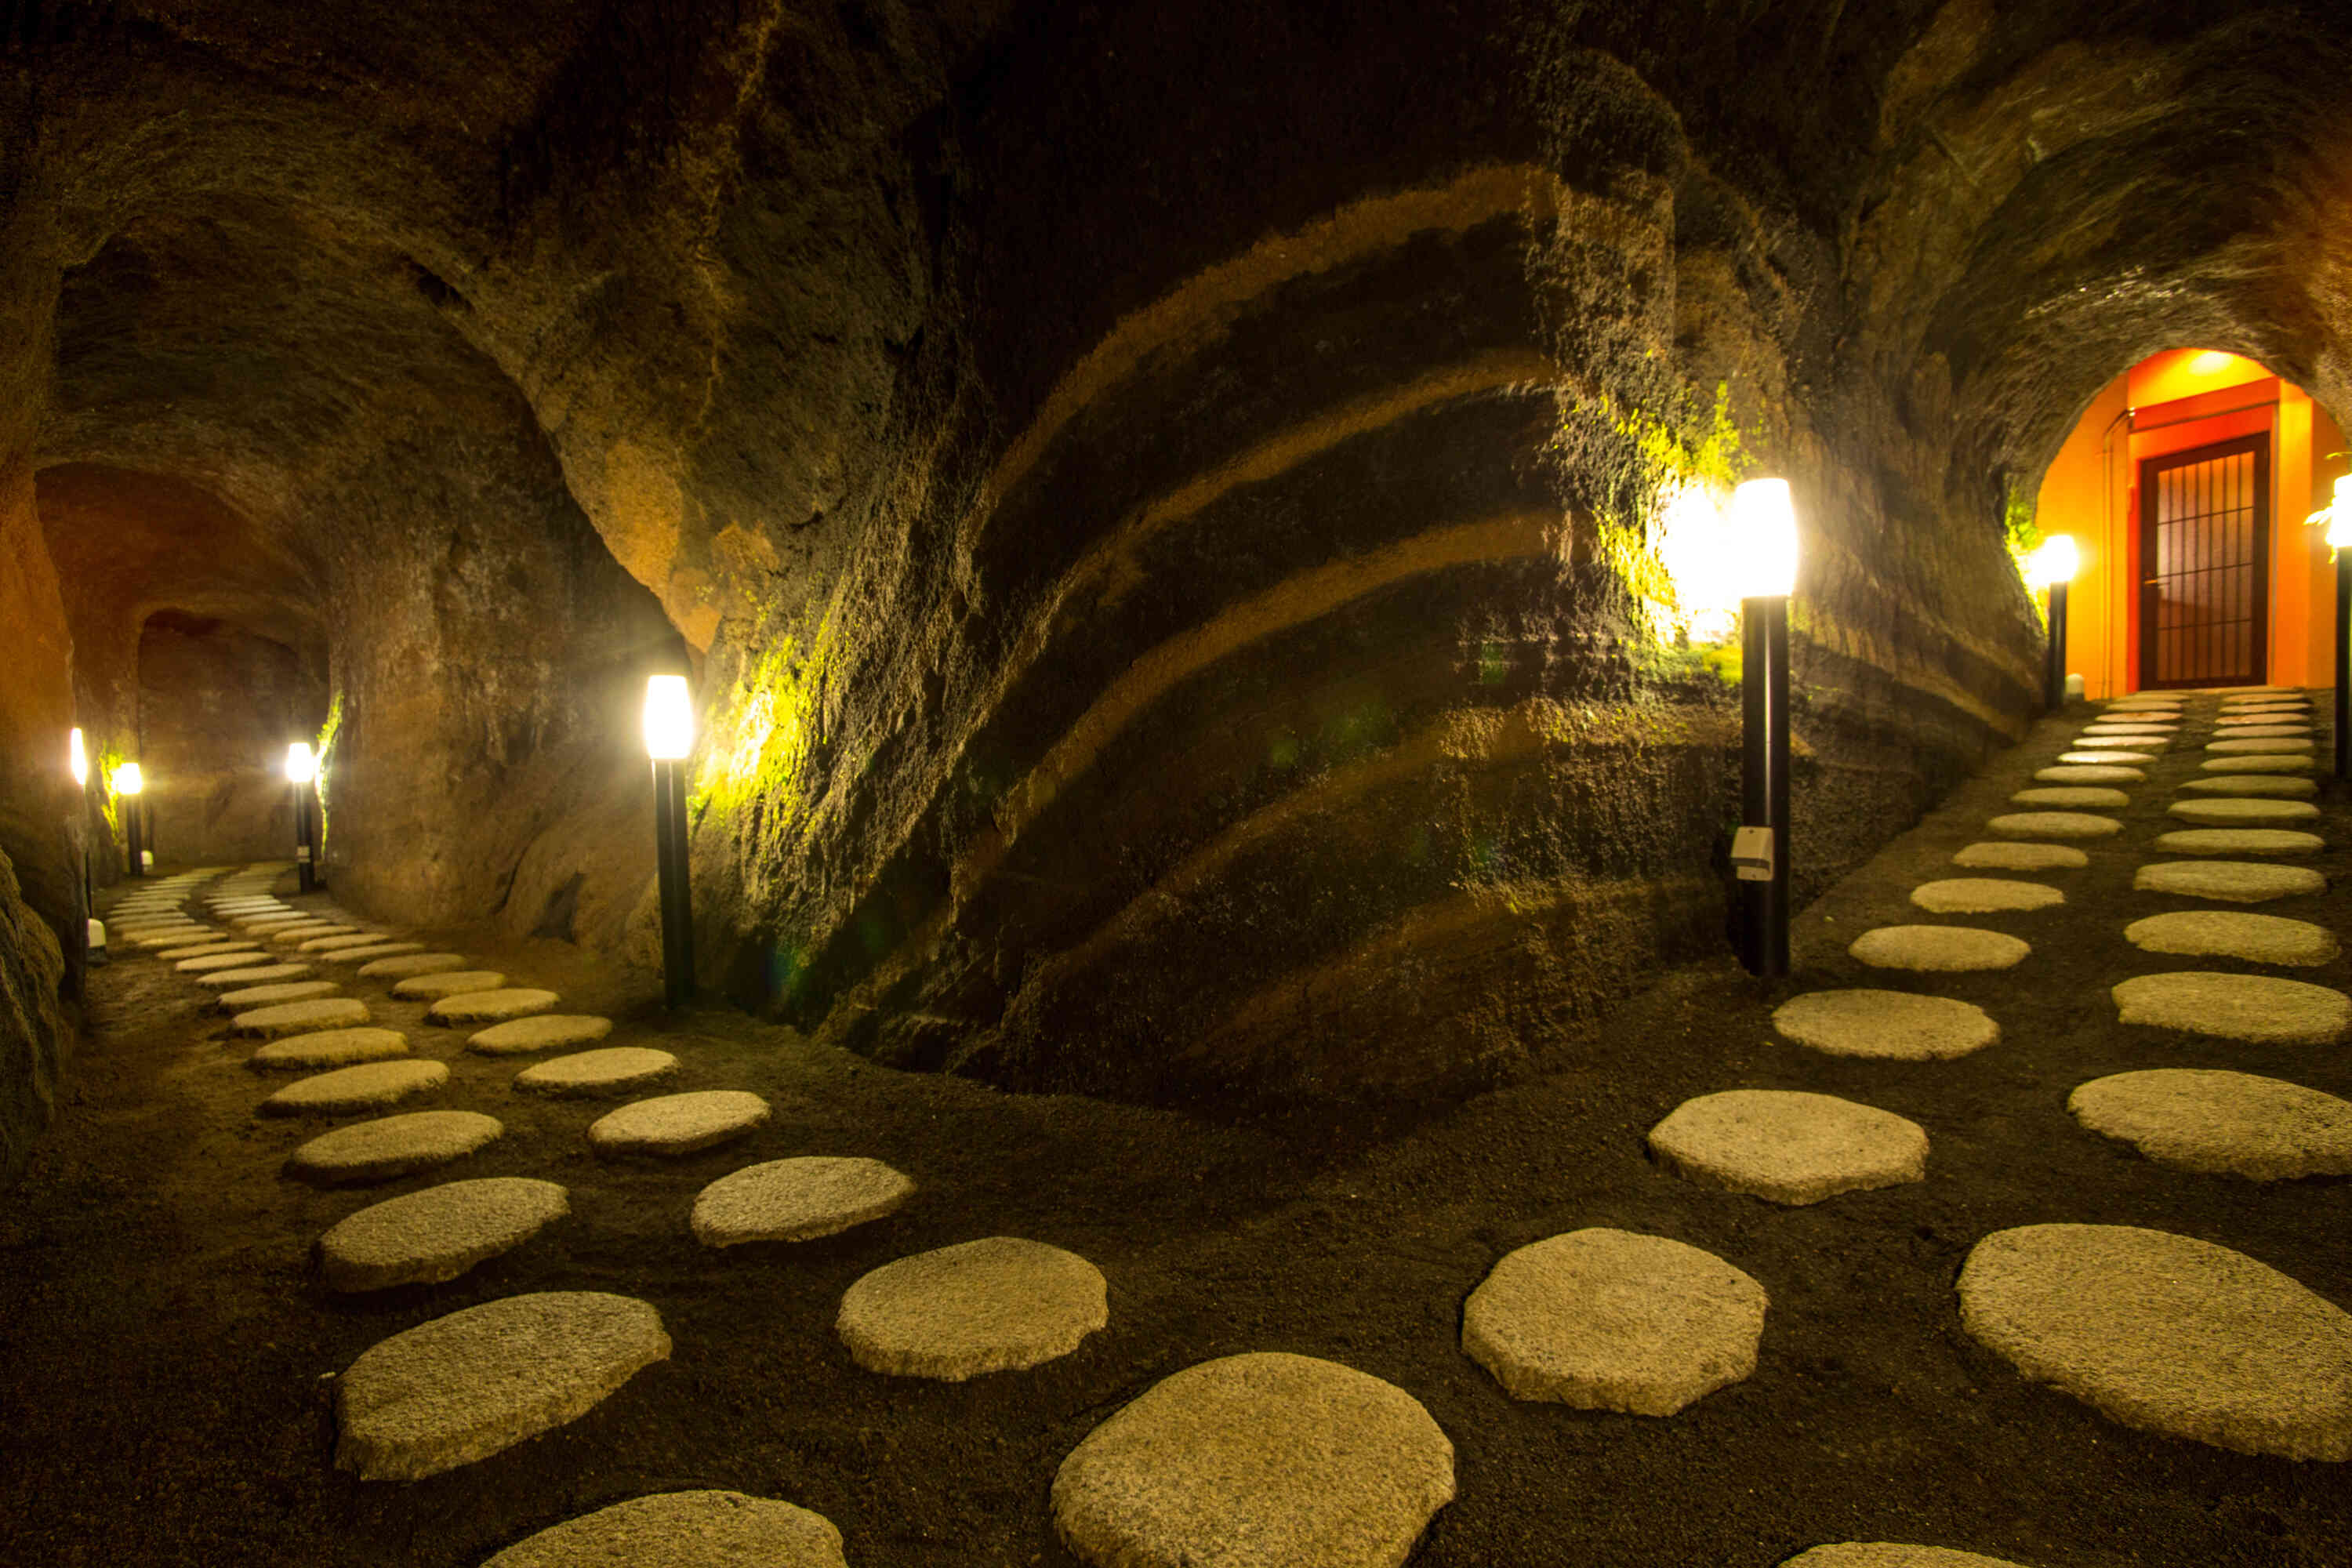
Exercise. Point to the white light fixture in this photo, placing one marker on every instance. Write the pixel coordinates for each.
(1763, 542)
(2340, 521)
(129, 780)
(78, 758)
(669, 718)
(302, 767)
(2055, 561)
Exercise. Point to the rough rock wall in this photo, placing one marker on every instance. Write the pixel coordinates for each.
(216, 708)
(35, 1035)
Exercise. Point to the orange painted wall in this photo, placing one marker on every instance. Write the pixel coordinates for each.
(2170, 403)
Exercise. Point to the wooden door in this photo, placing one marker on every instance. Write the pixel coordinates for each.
(2205, 556)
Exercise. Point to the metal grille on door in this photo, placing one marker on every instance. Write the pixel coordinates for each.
(2204, 560)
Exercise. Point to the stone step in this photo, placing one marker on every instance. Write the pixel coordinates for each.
(426, 1237)
(1787, 1147)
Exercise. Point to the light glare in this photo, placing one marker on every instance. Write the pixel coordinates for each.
(78, 758)
(1763, 542)
(302, 767)
(2339, 520)
(128, 780)
(669, 718)
(2055, 561)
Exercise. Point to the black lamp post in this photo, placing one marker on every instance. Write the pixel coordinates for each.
(2053, 567)
(669, 738)
(128, 784)
(301, 775)
(1764, 536)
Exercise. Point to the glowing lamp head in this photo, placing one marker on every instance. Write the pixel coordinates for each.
(129, 780)
(669, 718)
(302, 767)
(1763, 540)
(78, 757)
(2339, 517)
(2055, 563)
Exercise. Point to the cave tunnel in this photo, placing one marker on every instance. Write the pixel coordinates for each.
(1208, 1007)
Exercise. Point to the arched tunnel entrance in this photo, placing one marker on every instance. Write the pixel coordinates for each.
(1211, 815)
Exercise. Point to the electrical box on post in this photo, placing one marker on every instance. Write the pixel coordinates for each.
(1751, 853)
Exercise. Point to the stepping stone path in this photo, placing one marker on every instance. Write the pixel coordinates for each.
(2076, 798)
(2167, 1334)
(2237, 1007)
(2226, 933)
(1892, 1554)
(229, 978)
(1787, 1147)
(448, 983)
(545, 1032)
(2107, 759)
(328, 1049)
(2243, 813)
(2086, 773)
(391, 1146)
(2239, 743)
(1892, 1025)
(413, 962)
(468, 1385)
(258, 996)
(2021, 857)
(1609, 1320)
(2053, 825)
(678, 1124)
(616, 1070)
(2258, 764)
(1002, 1304)
(1267, 1461)
(491, 1006)
(797, 1200)
(2240, 841)
(1938, 949)
(376, 952)
(425, 1237)
(347, 1090)
(2221, 1123)
(2229, 882)
(684, 1530)
(1983, 894)
(2254, 784)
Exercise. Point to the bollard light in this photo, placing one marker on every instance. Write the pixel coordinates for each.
(669, 738)
(128, 782)
(1763, 543)
(302, 767)
(302, 775)
(2340, 536)
(2052, 568)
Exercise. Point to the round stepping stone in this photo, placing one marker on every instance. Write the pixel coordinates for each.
(1001, 1304)
(2167, 1334)
(2242, 813)
(1892, 1554)
(465, 1387)
(1789, 1147)
(1983, 894)
(1892, 1025)
(226, 979)
(253, 923)
(2257, 765)
(1608, 1320)
(2221, 1123)
(375, 952)
(2265, 732)
(617, 1069)
(347, 1090)
(543, 1033)
(328, 1049)
(2021, 857)
(2240, 841)
(2085, 773)
(2077, 798)
(490, 1006)
(677, 1123)
(1265, 1461)
(217, 949)
(2226, 933)
(684, 1530)
(254, 997)
(2229, 882)
(391, 1146)
(2248, 744)
(300, 1017)
(2236, 1008)
(2229, 722)
(447, 982)
(2267, 787)
(2107, 759)
(2053, 825)
(340, 943)
(797, 1200)
(2151, 726)
(414, 962)
(424, 1239)
(1937, 949)
(293, 936)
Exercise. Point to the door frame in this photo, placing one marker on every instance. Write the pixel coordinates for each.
(2150, 632)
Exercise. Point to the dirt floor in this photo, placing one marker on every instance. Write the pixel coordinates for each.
(167, 1355)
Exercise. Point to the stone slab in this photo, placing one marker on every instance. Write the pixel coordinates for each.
(461, 1388)
(2265, 786)
(2242, 813)
(2240, 841)
(1001, 1304)
(426, 1237)
(1983, 894)
(2266, 732)
(797, 1200)
(294, 936)
(346, 1091)
(684, 1530)
(447, 982)
(2091, 774)
(257, 997)
(2231, 933)
(391, 1146)
(491, 1006)
(415, 962)
(328, 1049)
(219, 948)
(2107, 758)
(543, 1032)
(2250, 746)
(1938, 949)
(2167, 1334)
(1893, 1554)
(373, 953)
(2221, 1123)
(2254, 1007)
(2016, 856)
(2228, 882)
(1787, 1147)
(1609, 1320)
(2237, 763)
(678, 1124)
(2243, 723)
(340, 942)
(228, 978)
(1264, 1461)
(2053, 825)
(2077, 797)
(617, 1069)
(1891, 1025)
